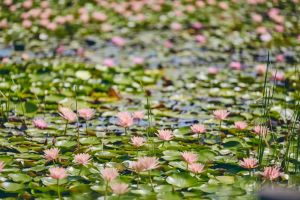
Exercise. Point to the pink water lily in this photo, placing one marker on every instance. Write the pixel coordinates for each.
(68, 114)
(261, 69)
(198, 128)
(261, 130)
(148, 163)
(165, 135)
(82, 158)
(213, 70)
(236, 65)
(86, 113)
(124, 119)
(137, 141)
(278, 76)
(40, 123)
(196, 168)
(58, 173)
(51, 154)
(240, 125)
(138, 60)
(109, 62)
(136, 166)
(119, 41)
(221, 114)
(249, 163)
(189, 157)
(109, 174)
(139, 115)
(271, 173)
(119, 188)
(2, 164)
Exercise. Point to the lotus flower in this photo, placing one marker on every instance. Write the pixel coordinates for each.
(86, 113)
(139, 115)
(261, 130)
(198, 128)
(51, 154)
(165, 135)
(148, 163)
(109, 174)
(40, 123)
(82, 158)
(189, 157)
(240, 125)
(118, 41)
(119, 188)
(137, 141)
(213, 70)
(249, 163)
(236, 65)
(58, 173)
(196, 168)
(124, 119)
(221, 114)
(271, 173)
(2, 164)
(68, 114)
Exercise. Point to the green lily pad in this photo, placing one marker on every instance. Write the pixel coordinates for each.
(50, 181)
(206, 155)
(20, 177)
(171, 155)
(183, 180)
(225, 179)
(84, 75)
(89, 140)
(11, 187)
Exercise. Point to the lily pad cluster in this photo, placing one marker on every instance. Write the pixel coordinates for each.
(147, 99)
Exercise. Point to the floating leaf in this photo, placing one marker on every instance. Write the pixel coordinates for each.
(11, 187)
(225, 179)
(182, 180)
(84, 75)
(20, 177)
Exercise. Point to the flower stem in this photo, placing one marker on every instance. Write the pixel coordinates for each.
(151, 183)
(86, 127)
(66, 126)
(138, 180)
(80, 171)
(58, 190)
(106, 190)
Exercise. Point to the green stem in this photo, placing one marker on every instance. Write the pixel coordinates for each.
(125, 130)
(86, 127)
(151, 183)
(80, 171)
(66, 126)
(106, 190)
(153, 147)
(138, 180)
(297, 153)
(58, 190)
